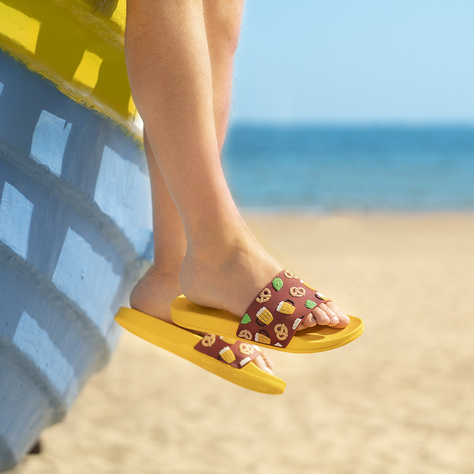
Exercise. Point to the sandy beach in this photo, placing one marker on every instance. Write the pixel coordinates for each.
(397, 400)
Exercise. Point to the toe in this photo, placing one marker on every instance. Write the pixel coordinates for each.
(343, 318)
(339, 326)
(268, 361)
(308, 322)
(330, 314)
(264, 362)
(321, 316)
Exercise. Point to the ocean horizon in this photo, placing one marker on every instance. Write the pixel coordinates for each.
(353, 168)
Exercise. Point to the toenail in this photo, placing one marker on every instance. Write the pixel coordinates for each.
(326, 319)
(334, 320)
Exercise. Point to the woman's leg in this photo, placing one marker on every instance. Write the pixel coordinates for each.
(160, 285)
(154, 292)
(222, 19)
(170, 73)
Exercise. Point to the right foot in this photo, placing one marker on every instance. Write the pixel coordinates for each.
(229, 277)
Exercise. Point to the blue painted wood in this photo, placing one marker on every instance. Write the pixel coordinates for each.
(75, 233)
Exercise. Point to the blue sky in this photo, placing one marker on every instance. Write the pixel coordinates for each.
(361, 61)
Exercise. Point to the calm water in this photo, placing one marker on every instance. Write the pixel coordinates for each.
(351, 168)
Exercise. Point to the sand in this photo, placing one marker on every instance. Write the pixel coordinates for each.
(398, 400)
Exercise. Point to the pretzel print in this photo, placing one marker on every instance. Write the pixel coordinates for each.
(264, 296)
(297, 291)
(245, 334)
(208, 340)
(246, 349)
(237, 354)
(277, 312)
(281, 331)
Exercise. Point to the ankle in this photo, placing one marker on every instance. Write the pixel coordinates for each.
(227, 275)
(160, 271)
(218, 219)
(152, 279)
(219, 237)
(155, 291)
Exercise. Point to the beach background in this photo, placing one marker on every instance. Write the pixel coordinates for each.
(397, 400)
(379, 214)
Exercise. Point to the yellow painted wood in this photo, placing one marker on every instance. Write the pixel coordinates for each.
(87, 73)
(20, 28)
(119, 14)
(78, 45)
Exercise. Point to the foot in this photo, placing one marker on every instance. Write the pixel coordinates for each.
(230, 274)
(153, 295)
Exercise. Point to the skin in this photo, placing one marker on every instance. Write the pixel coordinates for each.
(180, 58)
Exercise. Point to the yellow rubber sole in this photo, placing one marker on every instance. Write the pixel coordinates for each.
(317, 339)
(181, 342)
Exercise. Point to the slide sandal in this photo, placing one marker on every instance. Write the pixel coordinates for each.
(272, 319)
(222, 356)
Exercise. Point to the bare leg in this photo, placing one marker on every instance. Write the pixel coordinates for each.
(155, 291)
(172, 82)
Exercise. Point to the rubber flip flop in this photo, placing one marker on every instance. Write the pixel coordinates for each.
(272, 319)
(222, 356)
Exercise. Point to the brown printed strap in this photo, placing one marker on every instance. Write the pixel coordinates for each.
(235, 353)
(275, 314)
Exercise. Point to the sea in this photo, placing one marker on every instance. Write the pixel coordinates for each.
(330, 169)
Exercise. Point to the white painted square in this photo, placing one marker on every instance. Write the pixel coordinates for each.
(87, 278)
(49, 141)
(16, 212)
